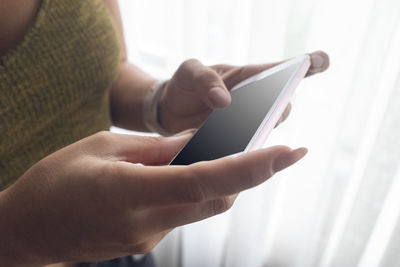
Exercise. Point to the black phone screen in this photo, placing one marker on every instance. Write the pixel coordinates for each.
(229, 130)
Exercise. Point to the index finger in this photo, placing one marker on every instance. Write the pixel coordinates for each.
(169, 185)
(319, 62)
(232, 75)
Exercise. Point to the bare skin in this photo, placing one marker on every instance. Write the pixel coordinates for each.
(89, 202)
(15, 18)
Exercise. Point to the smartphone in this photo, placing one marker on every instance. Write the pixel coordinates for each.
(257, 104)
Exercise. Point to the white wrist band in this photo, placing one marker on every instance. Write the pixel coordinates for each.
(150, 108)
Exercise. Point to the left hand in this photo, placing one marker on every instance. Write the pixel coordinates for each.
(195, 90)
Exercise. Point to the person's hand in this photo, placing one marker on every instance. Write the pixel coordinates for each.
(195, 90)
(89, 201)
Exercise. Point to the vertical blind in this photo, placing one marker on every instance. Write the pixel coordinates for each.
(340, 205)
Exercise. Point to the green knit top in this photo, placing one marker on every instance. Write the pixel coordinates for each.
(54, 85)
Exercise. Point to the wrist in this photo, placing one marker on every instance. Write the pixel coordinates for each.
(127, 95)
(151, 110)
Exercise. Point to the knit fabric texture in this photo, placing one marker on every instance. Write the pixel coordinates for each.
(54, 85)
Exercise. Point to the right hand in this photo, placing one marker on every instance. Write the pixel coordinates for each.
(90, 202)
(195, 90)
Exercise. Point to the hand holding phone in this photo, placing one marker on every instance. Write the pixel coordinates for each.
(257, 104)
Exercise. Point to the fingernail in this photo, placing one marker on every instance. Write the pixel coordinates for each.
(317, 61)
(278, 122)
(300, 152)
(289, 158)
(218, 97)
(185, 132)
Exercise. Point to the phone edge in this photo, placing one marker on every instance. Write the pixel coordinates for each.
(270, 120)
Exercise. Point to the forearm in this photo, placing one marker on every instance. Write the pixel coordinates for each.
(127, 95)
(131, 85)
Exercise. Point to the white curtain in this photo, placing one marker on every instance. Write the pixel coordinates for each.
(340, 205)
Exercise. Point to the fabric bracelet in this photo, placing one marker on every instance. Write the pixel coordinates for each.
(150, 108)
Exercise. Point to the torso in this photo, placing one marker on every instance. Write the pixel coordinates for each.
(94, 74)
(57, 64)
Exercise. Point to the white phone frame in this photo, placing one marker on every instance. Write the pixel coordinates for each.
(277, 109)
(273, 115)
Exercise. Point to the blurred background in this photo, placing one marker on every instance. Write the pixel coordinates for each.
(340, 205)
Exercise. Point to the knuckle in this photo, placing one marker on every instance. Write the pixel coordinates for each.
(145, 247)
(154, 141)
(103, 134)
(248, 175)
(123, 237)
(104, 187)
(192, 74)
(46, 170)
(111, 186)
(187, 68)
(219, 68)
(220, 205)
(109, 171)
(126, 239)
(157, 145)
(189, 63)
(206, 76)
(258, 174)
(106, 173)
(184, 75)
(253, 177)
(130, 236)
(240, 71)
(229, 201)
(103, 138)
(158, 140)
(193, 190)
(270, 169)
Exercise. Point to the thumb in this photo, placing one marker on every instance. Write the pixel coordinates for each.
(203, 81)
